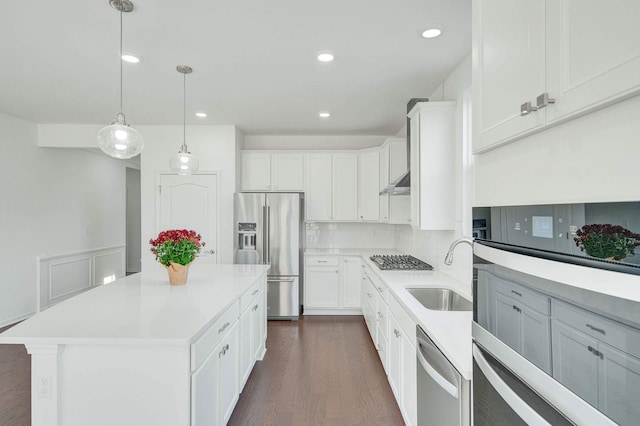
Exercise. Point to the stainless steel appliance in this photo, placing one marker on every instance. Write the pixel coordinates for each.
(443, 395)
(399, 262)
(268, 230)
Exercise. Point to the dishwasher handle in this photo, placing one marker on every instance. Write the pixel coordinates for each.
(448, 387)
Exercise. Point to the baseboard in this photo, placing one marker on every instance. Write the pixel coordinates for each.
(311, 311)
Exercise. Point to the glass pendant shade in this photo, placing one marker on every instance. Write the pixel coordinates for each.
(183, 163)
(119, 140)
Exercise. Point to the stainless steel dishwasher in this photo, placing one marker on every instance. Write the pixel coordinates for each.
(443, 394)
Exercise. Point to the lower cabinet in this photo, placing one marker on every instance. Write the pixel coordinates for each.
(252, 336)
(214, 385)
(332, 285)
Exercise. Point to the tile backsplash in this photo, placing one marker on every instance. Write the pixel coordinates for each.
(349, 235)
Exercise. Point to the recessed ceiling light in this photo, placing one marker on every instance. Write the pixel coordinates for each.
(130, 58)
(431, 33)
(325, 56)
(201, 114)
(324, 114)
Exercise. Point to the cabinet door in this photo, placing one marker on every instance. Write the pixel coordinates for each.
(400, 209)
(345, 187)
(286, 172)
(351, 279)
(384, 208)
(256, 171)
(591, 60)
(508, 68)
(322, 287)
(384, 166)
(536, 338)
(619, 385)
(368, 186)
(318, 178)
(257, 318)
(574, 365)
(395, 358)
(228, 368)
(398, 160)
(204, 392)
(508, 322)
(246, 346)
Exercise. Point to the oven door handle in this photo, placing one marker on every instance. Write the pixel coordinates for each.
(526, 413)
(447, 386)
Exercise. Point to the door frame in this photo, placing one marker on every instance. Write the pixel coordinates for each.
(215, 173)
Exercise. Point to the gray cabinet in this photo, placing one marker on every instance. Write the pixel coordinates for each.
(596, 358)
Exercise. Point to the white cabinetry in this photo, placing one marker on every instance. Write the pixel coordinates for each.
(272, 171)
(252, 337)
(432, 135)
(578, 53)
(368, 186)
(332, 285)
(331, 186)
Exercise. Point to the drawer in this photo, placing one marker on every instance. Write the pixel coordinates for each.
(205, 344)
(534, 300)
(615, 334)
(249, 295)
(377, 283)
(404, 320)
(382, 350)
(321, 260)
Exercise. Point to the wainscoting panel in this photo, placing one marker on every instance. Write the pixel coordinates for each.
(63, 276)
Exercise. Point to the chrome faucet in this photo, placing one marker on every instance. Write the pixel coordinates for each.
(448, 260)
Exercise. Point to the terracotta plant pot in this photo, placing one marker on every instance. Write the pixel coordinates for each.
(178, 273)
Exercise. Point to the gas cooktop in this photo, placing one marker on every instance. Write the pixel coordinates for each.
(399, 262)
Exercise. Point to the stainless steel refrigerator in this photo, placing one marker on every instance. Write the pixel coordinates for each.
(268, 230)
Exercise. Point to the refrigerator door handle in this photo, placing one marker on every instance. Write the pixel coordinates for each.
(265, 232)
(267, 236)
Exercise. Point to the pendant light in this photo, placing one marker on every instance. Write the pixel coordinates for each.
(183, 163)
(119, 140)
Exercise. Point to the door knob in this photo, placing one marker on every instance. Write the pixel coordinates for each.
(212, 251)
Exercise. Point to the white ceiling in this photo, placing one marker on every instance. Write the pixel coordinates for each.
(253, 60)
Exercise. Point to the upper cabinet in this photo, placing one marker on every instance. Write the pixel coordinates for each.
(432, 134)
(331, 186)
(368, 186)
(272, 171)
(540, 63)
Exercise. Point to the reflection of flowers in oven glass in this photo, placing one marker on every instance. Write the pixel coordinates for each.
(606, 241)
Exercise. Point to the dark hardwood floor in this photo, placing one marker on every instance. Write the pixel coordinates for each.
(318, 371)
(15, 385)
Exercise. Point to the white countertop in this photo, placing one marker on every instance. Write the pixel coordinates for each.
(140, 308)
(450, 331)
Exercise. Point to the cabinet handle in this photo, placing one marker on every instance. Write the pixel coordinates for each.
(516, 308)
(224, 350)
(396, 332)
(255, 308)
(526, 109)
(223, 328)
(599, 330)
(380, 289)
(379, 315)
(322, 261)
(595, 352)
(544, 100)
(256, 291)
(369, 294)
(516, 293)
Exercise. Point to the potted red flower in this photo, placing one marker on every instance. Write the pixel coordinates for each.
(175, 249)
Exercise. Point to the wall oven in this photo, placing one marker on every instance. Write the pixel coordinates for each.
(556, 334)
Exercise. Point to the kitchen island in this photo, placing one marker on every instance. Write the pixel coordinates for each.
(139, 351)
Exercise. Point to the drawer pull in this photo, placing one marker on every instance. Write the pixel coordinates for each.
(255, 308)
(224, 350)
(517, 309)
(595, 352)
(369, 294)
(256, 291)
(599, 330)
(322, 261)
(396, 332)
(380, 289)
(516, 293)
(224, 327)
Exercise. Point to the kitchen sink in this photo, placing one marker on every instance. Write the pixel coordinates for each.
(440, 299)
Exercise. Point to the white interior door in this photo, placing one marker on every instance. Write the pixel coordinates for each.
(191, 202)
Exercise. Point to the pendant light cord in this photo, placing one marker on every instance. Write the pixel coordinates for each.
(121, 59)
(184, 112)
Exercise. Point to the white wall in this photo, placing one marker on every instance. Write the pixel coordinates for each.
(432, 246)
(53, 201)
(311, 142)
(589, 159)
(215, 147)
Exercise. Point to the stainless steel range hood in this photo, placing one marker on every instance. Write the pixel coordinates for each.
(402, 185)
